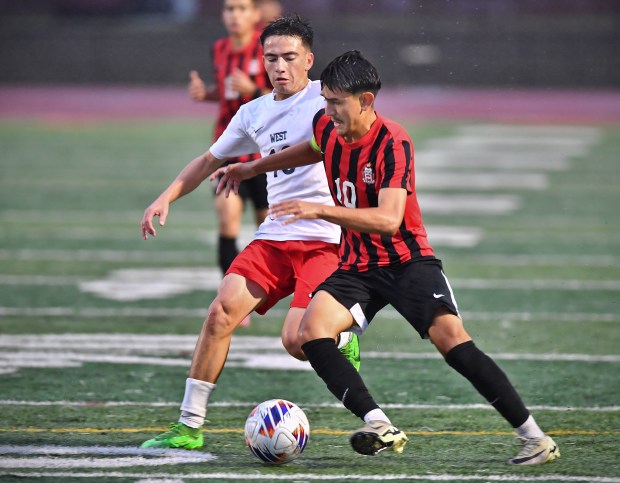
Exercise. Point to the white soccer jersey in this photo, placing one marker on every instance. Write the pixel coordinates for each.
(273, 126)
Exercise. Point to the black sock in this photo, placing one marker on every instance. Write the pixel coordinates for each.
(341, 378)
(489, 380)
(227, 251)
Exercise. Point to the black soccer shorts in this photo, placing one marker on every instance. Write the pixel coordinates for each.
(416, 289)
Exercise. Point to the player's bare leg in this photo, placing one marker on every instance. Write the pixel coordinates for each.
(290, 333)
(236, 298)
(229, 214)
(455, 344)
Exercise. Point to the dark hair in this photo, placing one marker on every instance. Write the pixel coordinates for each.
(291, 26)
(352, 73)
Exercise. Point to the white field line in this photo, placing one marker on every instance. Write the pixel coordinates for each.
(468, 204)
(587, 134)
(250, 352)
(443, 158)
(27, 254)
(30, 450)
(103, 463)
(251, 404)
(480, 180)
(281, 313)
(160, 477)
(209, 279)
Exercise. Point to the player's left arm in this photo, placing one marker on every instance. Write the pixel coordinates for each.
(385, 219)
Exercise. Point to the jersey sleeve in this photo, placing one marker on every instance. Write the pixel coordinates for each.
(398, 165)
(235, 140)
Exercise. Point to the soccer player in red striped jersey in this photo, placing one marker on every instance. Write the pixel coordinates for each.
(385, 258)
(240, 76)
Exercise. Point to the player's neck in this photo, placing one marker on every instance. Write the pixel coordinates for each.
(239, 41)
(361, 128)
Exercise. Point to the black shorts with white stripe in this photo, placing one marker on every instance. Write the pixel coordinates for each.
(416, 289)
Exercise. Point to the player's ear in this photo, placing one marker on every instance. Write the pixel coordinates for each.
(309, 61)
(367, 100)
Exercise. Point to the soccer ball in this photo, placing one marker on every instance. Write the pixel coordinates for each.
(277, 431)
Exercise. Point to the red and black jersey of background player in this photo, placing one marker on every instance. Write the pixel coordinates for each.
(225, 61)
(382, 158)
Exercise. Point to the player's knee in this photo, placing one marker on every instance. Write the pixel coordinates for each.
(220, 320)
(447, 332)
(293, 347)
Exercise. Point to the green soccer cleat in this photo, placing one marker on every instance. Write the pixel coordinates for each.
(178, 436)
(536, 451)
(378, 436)
(351, 350)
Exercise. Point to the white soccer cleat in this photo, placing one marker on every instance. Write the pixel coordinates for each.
(536, 451)
(378, 436)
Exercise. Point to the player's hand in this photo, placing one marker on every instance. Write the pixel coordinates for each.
(296, 210)
(231, 176)
(196, 87)
(158, 208)
(242, 83)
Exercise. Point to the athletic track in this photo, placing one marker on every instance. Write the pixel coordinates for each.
(86, 103)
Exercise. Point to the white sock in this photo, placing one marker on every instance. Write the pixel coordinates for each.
(194, 406)
(376, 415)
(343, 339)
(529, 429)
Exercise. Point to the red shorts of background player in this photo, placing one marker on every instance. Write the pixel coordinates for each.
(282, 268)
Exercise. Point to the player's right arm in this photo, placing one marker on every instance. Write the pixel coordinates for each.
(300, 154)
(187, 181)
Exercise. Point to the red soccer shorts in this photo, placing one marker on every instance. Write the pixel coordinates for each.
(282, 268)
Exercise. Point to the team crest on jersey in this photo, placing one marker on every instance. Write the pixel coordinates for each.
(253, 67)
(369, 175)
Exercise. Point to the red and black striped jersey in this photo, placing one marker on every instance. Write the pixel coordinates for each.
(382, 158)
(249, 59)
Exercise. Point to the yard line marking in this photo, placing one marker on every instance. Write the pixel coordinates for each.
(322, 477)
(182, 256)
(98, 450)
(468, 204)
(329, 432)
(90, 312)
(251, 352)
(121, 462)
(445, 157)
(156, 283)
(480, 180)
(251, 404)
(586, 133)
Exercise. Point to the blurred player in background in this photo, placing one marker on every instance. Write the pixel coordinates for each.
(239, 77)
(269, 11)
(385, 258)
(283, 259)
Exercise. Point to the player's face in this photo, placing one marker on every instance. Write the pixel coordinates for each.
(287, 62)
(239, 16)
(345, 111)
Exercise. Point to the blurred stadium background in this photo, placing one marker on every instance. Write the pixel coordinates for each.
(527, 43)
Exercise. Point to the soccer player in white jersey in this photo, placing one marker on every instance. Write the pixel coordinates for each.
(282, 259)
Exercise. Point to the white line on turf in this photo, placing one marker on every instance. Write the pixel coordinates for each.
(251, 404)
(121, 462)
(101, 451)
(250, 352)
(325, 477)
(92, 312)
(60, 255)
(178, 279)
